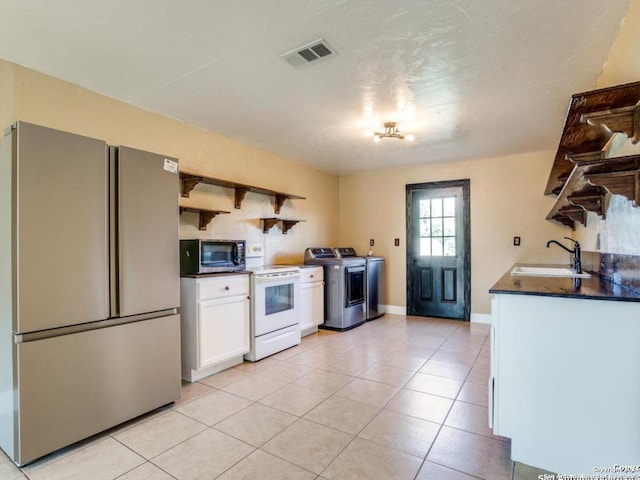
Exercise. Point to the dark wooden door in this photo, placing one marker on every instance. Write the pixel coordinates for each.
(438, 250)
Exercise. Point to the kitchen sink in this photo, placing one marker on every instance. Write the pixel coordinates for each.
(548, 272)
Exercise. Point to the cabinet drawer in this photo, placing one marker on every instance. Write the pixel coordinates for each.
(315, 274)
(220, 287)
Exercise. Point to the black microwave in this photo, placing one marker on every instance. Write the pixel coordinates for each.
(198, 256)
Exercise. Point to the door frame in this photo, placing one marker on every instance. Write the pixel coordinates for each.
(466, 220)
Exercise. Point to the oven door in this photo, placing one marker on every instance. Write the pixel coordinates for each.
(354, 286)
(276, 301)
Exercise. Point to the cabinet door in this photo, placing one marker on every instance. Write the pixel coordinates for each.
(317, 297)
(311, 304)
(306, 306)
(223, 329)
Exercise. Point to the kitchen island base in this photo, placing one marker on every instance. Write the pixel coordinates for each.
(565, 383)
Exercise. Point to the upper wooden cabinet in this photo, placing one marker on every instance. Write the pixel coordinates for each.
(582, 174)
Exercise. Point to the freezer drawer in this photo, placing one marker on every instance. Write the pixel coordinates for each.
(74, 386)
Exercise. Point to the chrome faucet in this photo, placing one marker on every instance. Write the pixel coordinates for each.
(577, 261)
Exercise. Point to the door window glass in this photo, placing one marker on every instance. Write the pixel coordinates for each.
(438, 227)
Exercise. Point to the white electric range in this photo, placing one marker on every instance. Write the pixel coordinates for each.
(275, 305)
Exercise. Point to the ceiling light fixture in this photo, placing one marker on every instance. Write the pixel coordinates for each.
(391, 131)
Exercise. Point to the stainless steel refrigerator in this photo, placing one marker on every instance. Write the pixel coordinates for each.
(89, 287)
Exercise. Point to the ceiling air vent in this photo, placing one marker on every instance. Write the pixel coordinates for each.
(316, 50)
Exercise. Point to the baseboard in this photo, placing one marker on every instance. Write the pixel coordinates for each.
(396, 309)
(475, 317)
(481, 318)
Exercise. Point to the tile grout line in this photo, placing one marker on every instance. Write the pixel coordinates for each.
(450, 408)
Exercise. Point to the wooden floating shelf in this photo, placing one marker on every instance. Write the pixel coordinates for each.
(581, 175)
(287, 224)
(586, 157)
(190, 180)
(588, 184)
(605, 108)
(205, 215)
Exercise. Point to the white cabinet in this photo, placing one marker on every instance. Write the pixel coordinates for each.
(311, 299)
(215, 316)
(564, 382)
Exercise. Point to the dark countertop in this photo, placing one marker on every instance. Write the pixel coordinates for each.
(219, 274)
(594, 288)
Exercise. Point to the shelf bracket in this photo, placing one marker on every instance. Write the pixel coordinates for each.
(239, 196)
(189, 182)
(591, 202)
(288, 225)
(279, 202)
(563, 219)
(623, 120)
(268, 223)
(577, 214)
(205, 219)
(620, 183)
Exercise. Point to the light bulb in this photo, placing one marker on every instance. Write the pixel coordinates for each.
(411, 137)
(368, 133)
(376, 139)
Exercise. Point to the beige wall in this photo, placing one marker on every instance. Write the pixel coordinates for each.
(33, 97)
(506, 200)
(619, 232)
(623, 64)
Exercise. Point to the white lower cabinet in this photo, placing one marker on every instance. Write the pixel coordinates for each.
(565, 382)
(311, 299)
(215, 313)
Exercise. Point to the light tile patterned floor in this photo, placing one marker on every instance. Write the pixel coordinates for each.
(397, 398)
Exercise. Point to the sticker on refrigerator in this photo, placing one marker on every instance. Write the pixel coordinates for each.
(170, 165)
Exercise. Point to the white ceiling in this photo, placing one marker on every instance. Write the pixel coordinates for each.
(484, 77)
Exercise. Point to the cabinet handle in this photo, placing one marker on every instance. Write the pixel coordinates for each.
(311, 276)
(226, 288)
(248, 297)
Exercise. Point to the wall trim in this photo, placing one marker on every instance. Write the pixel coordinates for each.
(481, 318)
(484, 318)
(396, 309)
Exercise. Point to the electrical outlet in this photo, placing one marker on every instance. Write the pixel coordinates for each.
(396, 242)
(598, 242)
(516, 241)
(371, 242)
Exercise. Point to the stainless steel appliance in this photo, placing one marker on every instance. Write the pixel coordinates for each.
(375, 304)
(199, 256)
(275, 306)
(375, 297)
(344, 293)
(89, 287)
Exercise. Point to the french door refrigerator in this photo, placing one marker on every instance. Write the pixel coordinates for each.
(89, 287)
